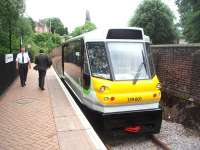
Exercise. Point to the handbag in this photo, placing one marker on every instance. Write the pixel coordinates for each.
(35, 67)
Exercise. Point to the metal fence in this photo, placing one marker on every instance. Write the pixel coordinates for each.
(8, 73)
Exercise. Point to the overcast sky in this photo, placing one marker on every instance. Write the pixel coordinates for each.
(103, 13)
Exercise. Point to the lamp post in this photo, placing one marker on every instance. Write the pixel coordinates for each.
(29, 46)
(21, 40)
(50, 25)
(29, 49)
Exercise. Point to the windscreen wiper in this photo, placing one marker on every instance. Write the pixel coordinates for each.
(139, 69)
(138, 73)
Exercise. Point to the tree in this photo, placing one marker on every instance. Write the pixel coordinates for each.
(23, 28)
(10, 10)
(46, 41)
(32, 22)
(88, 26)
(56, 25)
(157, 21)
(66, 31)
(190, 19)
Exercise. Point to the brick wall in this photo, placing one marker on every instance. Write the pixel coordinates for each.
(178, 68)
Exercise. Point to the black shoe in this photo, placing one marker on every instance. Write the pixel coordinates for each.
(42, 89)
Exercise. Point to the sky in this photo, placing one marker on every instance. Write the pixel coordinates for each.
(103, 13)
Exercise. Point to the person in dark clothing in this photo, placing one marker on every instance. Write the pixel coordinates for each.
(43, 62)
(22, 63)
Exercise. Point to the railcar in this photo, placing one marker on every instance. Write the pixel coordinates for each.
(111, 71)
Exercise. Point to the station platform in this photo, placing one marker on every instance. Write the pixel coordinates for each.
(31, 119)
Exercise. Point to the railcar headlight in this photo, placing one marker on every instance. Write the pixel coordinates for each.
(159, 86)
(106, 98)
(102, 89)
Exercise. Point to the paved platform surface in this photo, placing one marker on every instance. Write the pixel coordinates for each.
(31, 119)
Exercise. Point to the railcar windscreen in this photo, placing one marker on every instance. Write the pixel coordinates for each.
(128, 60)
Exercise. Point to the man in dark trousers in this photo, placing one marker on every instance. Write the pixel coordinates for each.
(43, 62)
(22, 63)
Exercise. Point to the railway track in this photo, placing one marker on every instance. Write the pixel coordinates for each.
(153, 139)
(159, 143)
(108, 147)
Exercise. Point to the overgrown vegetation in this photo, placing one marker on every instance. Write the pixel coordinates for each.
(190, 19)
(10, 15)
(56, 26)
(157, 21)
(13, 26)
(88, 26)
(46, 41)
(153, 16)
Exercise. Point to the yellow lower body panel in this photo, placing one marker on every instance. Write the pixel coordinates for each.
(125, 92)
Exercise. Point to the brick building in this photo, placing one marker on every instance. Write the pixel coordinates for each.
(41, 27)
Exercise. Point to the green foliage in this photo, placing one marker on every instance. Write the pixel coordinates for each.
(4, 41)
(31, 21)
(157, 21)
(10, 11)
(56, 26)
(13, 25)
(88, 26)
(24, 26)
(46, 41)
(66, 31)
(190, 19)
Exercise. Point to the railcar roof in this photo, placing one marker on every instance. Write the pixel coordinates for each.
(101, 35)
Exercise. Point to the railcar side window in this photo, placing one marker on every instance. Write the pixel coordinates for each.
(72, 61)
(98, 60)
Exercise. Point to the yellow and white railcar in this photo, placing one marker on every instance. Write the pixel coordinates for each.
(112, 73)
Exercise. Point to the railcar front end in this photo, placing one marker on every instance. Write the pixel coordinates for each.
(113, 75)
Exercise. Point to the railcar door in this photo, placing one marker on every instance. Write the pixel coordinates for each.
(86, 77)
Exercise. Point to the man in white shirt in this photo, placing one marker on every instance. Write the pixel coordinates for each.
(22, 63)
